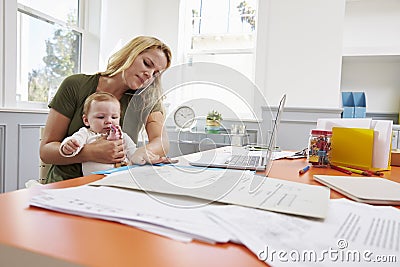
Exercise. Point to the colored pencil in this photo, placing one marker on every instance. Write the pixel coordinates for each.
(341, 169)
(365, 173)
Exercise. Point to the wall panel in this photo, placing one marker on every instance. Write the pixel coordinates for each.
(19, 151)
(2, 155)
(28, 153)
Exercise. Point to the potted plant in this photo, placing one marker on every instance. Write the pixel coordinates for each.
(213, 121)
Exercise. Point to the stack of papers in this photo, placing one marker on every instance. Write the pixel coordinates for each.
(226, 186)
(185, 205)
(169, 200)
(152, 213)
(352, 234)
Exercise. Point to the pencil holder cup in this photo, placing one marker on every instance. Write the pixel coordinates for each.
(319, 146)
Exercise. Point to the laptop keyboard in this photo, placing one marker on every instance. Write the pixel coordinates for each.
(244, 160)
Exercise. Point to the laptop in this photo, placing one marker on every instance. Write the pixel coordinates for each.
(241, 158)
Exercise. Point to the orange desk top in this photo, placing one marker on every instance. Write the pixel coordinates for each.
(93, 242)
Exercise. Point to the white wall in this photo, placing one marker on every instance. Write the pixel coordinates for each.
(371, 40)
(130, 18)
(162, 21)
(301, 49)
(378, 77)
(372, 26)
(1, 49)
(299, 46)
(121, 21)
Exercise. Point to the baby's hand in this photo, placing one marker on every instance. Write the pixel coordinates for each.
(115, 132)
(70, 147)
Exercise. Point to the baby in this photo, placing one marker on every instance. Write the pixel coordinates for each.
(101, 115)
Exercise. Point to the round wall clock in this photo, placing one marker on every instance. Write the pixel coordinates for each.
(184, 117)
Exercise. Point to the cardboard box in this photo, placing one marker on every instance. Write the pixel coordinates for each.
(395, 158)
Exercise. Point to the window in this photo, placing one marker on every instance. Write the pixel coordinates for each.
(48, 48)
(222, 32)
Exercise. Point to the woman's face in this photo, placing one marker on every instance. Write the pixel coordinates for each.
(144, 68)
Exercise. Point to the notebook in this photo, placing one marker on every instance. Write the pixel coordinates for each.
(371, 190)
(241, 158)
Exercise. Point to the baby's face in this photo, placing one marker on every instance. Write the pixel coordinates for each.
(101, 115)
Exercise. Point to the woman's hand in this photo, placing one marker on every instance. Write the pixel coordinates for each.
(105, 151)
(143, 155)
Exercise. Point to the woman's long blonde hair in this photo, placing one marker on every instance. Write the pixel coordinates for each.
(123, 59)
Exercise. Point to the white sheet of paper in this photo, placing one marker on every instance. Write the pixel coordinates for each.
(226, 186)
(349, 229)
(381, 153)
(176, 214)
(363, 226)
(329, 123)
(160, 230)
(282, 154)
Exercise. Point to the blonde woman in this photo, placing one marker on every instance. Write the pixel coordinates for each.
(129, 73)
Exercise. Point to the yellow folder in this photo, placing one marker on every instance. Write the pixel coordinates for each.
(352, 147)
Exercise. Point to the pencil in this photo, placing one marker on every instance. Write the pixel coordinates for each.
(365, 173)
(341, 169)
(377, 173)
(304, 170)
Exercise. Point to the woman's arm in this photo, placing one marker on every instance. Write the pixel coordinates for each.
(158, 146)
(158, 138)
(56, 128)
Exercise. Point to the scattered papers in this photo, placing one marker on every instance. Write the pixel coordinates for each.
(353, 233)
(282, 154)
(226, 186)
(164, 215)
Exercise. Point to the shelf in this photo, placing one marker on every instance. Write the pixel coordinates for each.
(371, 51)
(372, 58)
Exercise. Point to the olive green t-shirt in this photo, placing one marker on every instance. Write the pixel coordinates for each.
(69, 101)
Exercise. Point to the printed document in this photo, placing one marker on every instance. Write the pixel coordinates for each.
(175, 217)
(353, 234)
(226, 186)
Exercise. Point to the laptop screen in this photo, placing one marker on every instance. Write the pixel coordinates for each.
(272, 139)
(239, 157)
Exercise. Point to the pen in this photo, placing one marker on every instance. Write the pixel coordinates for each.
(377, 173)
(365, 173)
(341, 169)
(304, 170)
